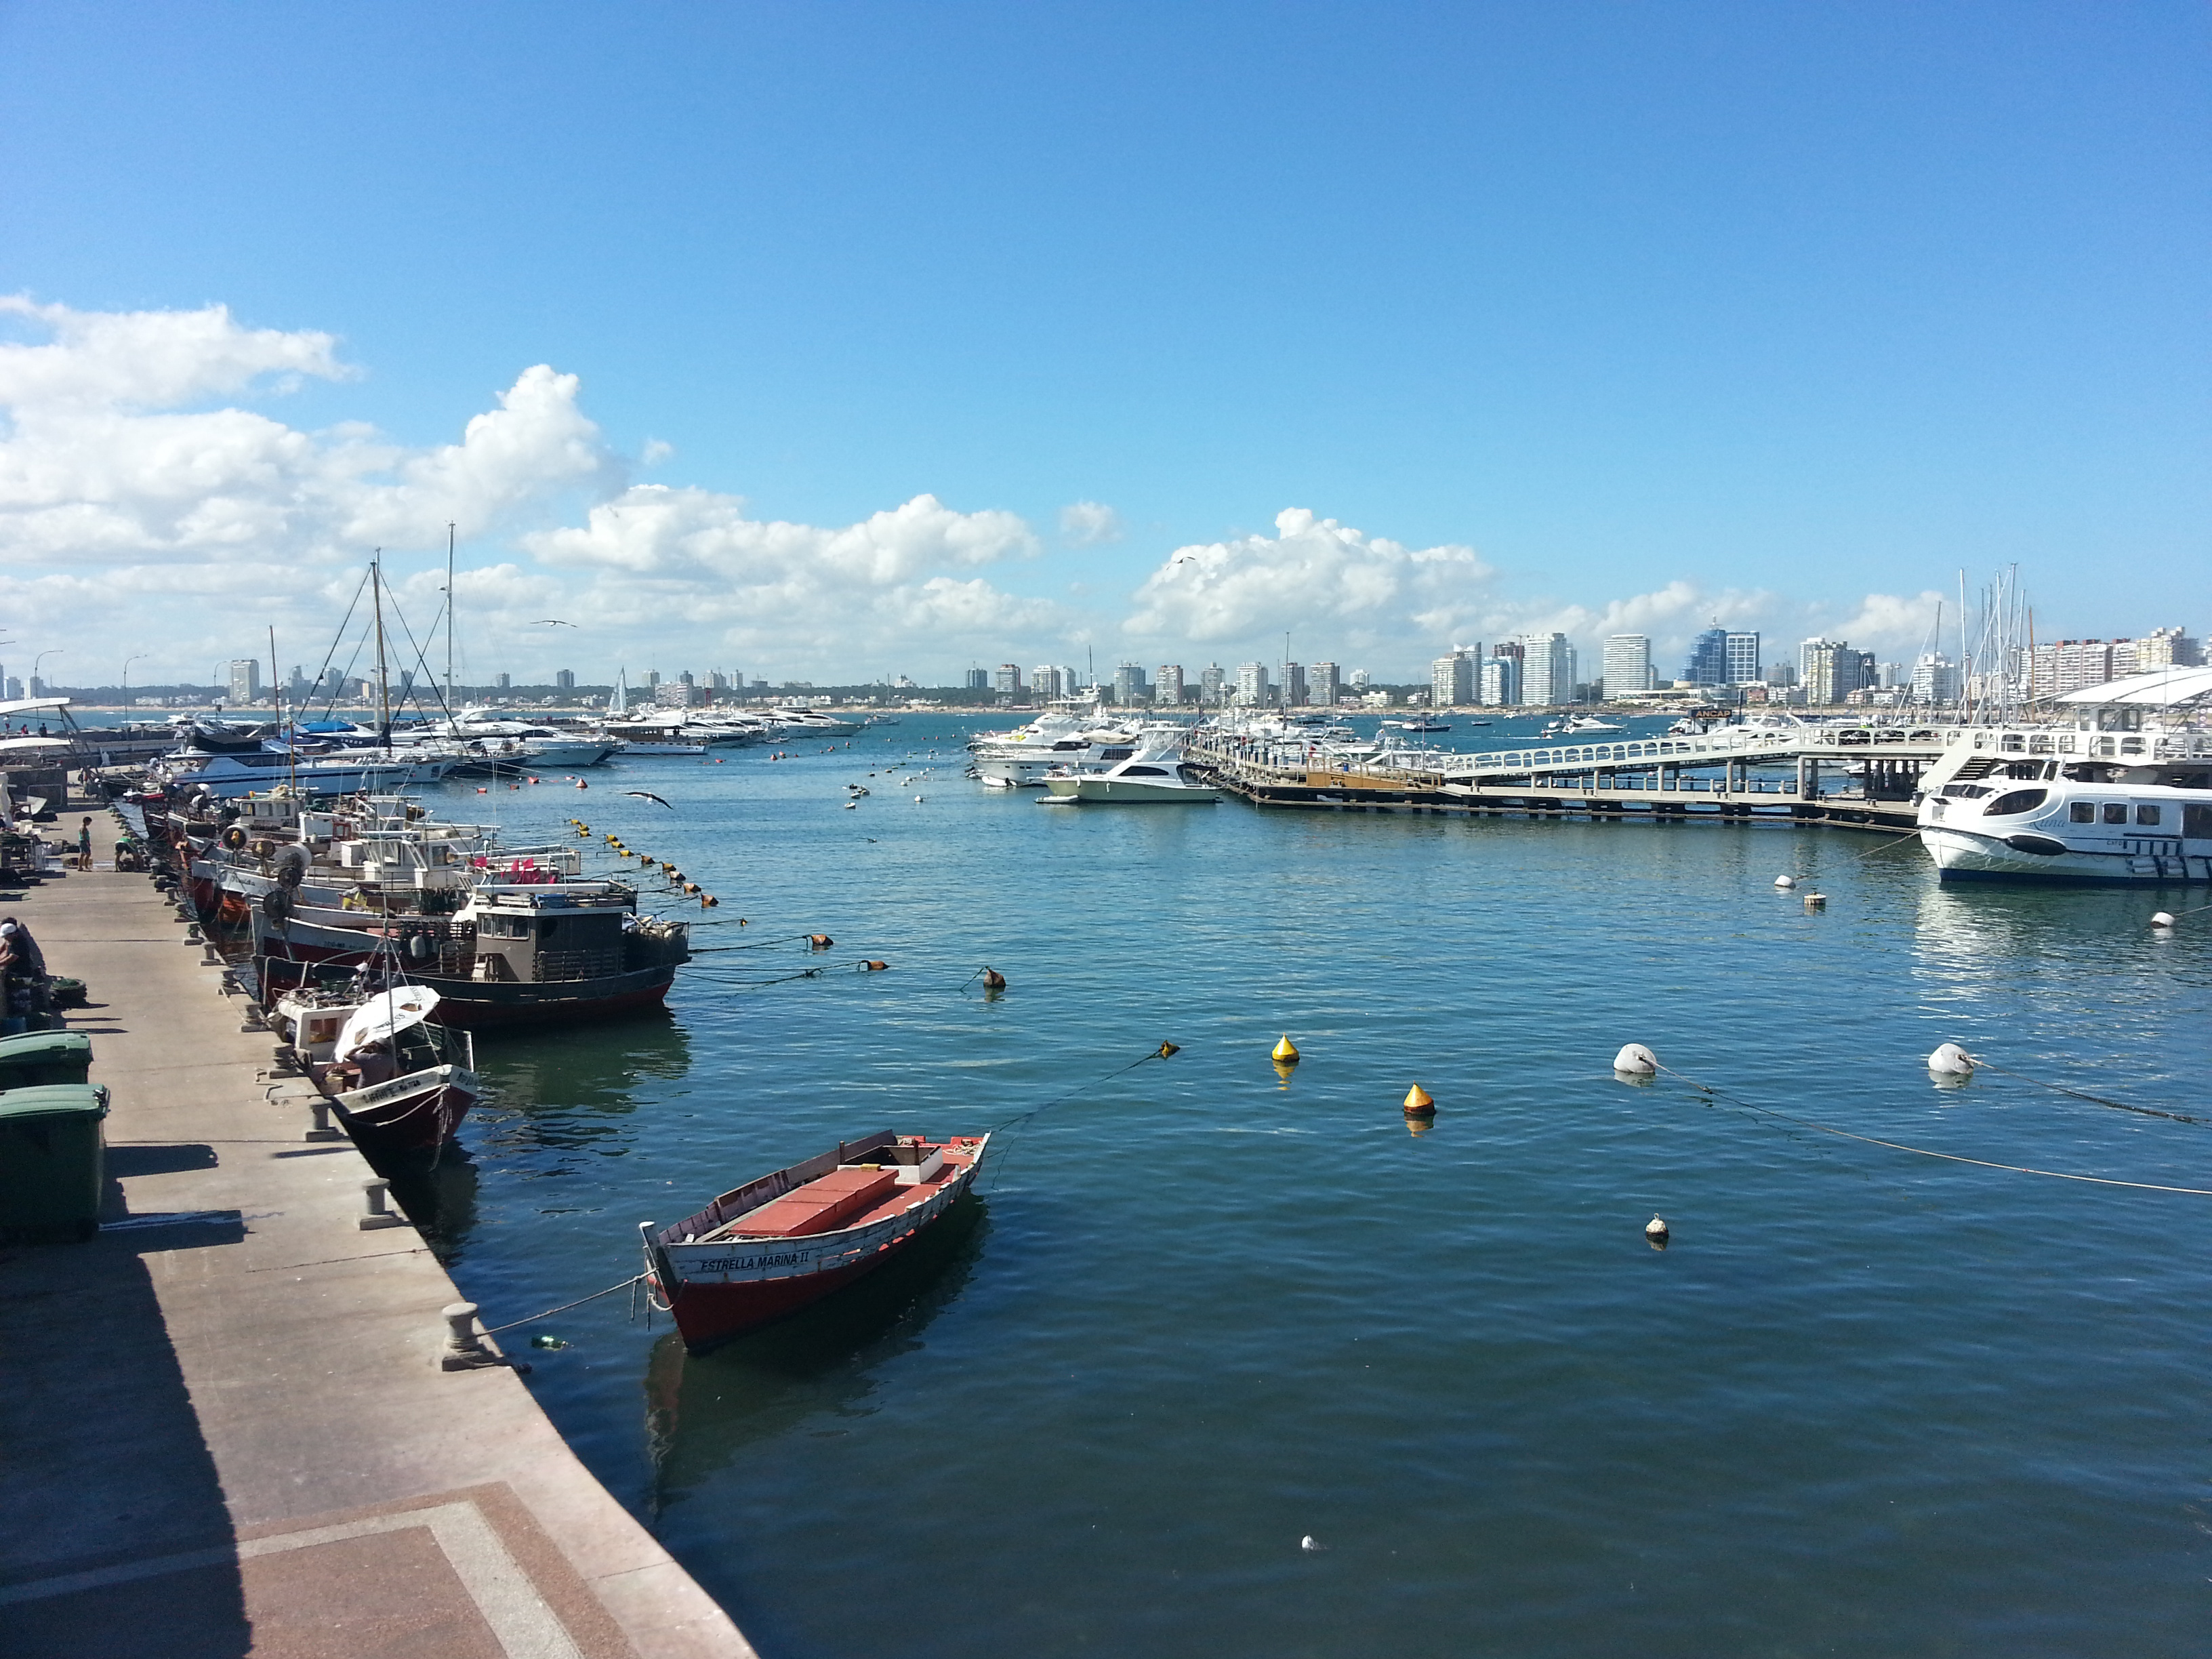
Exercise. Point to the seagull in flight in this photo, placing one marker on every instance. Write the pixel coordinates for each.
(552, 622)
(646, 794)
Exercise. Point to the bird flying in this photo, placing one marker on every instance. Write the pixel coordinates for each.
(646, 794)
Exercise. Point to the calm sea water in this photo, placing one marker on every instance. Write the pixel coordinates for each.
(1866, 1403)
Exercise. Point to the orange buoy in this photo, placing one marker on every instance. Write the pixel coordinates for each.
(820, 941)
(994, 980)
(1418, 1103)
(874, 967)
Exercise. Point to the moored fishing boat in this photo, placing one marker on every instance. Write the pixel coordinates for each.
(398, 1082)
(774, 1245)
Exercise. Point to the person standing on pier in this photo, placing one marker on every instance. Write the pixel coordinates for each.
(84, 845)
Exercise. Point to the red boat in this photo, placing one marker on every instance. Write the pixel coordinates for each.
(775, 1245)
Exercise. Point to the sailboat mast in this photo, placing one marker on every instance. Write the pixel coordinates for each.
(449, 620)
(383, 684)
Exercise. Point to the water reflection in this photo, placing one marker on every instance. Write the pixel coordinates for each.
(438, 1191)
(569, 1088)
(701, 1411)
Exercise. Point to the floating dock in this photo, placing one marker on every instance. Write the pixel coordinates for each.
(228, 1428)
(1862, 781)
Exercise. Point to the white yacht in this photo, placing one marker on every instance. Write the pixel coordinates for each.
(521, 742)
(1153, 775)
(2125, 795)
(1065, 738)
(813, 723)
(1578, 725)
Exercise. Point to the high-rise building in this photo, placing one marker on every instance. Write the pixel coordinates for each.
(1501, 681)
(15, 688)
(1294, 685)
(245, 681)
(1779, 673)
(1045, 683)
(1627, 665)
(979, 679)
(1744, 663)
(1547, 669)
(1451, 679)
(1832, 670)
(1211, 680)
(676, 694)
(503, 682)
(2167, 648)
(1129, 685)
(2057, 666)
(718, 681)
(1934, 679)
(565, 680)
(1708, 663)
(1167, 685)
(1360, 680)
(1007, 681)
(1252, 689)
(685, 678)
(1323, 684)
(653, 679)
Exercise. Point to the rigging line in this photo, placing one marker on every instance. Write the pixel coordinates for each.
(998, 1169)
(421, 665)
(338, 638)
(2097, 1100)
(329, 705)
(1923, 1151)
(494, 1330)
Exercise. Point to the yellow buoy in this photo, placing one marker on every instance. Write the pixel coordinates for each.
(1287, 1052)
(1418, 1103)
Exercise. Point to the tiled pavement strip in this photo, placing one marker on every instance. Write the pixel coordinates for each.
(227, 1434)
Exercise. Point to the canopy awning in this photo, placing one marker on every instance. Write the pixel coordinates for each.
(23, 746)
(32, 706)
(2162, 688)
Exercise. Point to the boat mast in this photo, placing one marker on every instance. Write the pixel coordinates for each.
(291, 755)
(383, 684)
(449, 620)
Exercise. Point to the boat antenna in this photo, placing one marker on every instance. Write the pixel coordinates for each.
(291, 743)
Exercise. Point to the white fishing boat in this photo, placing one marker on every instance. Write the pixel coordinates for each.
(2125, 795)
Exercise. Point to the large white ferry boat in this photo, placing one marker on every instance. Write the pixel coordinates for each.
(2125, 795)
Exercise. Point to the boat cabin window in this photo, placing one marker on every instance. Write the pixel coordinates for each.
(498, 927)
(2116, 812)
(1117, 754)
(2082, 812)
(1144, 772)
(1967, 791)
(2146, 815)
(2196, 823)
(2015, 802)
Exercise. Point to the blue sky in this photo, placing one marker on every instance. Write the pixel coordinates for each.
(1580, 316)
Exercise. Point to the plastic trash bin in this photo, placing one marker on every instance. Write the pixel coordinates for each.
(40, 1057)
(51, 1160)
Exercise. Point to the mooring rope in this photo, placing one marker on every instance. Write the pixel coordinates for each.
(998, 1169)
(2099, 1099)
(1923, 1151)
(494, 1330)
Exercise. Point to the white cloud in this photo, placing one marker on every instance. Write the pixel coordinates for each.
(1089, 523)
(1315, 577)
(1894, 626)
(147, 358)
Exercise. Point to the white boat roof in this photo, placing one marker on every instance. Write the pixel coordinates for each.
(8, 743)
(32, 706)
(2162, 688)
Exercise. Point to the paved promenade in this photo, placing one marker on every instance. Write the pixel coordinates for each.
(223, 1428)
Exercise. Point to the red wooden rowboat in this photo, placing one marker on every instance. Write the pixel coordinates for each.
(775, 1245)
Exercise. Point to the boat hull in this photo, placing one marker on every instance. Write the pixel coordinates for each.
(1965, 855)
(409, 1113)
(720, 1290)
(1133, 792)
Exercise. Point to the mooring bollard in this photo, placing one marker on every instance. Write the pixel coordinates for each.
(323, 1129)
(378, 1216)
(464, 1349)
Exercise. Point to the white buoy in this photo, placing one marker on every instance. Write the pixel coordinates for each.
(1785, 881)
(2161, 918)
(1816, 901)
(1635, 1061)
(1951, 1061)
(1654, 1229)
(917, 800)
(1309, 1543)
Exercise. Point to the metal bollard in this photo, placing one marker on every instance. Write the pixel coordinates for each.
(378, 1216)
(323, 1129)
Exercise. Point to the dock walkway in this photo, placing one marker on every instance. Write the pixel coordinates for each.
(226, 1430)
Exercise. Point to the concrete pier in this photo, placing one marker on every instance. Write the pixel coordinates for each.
(227, 1431)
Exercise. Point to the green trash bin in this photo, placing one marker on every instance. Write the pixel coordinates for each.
(51, 1160)
(39, 1057)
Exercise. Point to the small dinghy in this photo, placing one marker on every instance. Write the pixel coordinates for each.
(774, 1245)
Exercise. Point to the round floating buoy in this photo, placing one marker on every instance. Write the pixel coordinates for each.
(917, 800)
(534, 779)
(1309, 1543)
(1418, 1103)
(1635, 1061)
(481, 790)
(581, 784)
(873, 967)
(1656, 1231)
(994, 980)
(691, 888)
(852, 806)
(2161, 918)
(1785, 881)
(708, 901)
(820, 941)
(1168, 1048)
(1287, 1052)
(741, 922)
(1951, 1061)
(1816, 901)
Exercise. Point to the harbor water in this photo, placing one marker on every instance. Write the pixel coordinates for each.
(1865, 1401)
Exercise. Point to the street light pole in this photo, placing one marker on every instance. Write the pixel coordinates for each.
(127, 661)
(57, 651)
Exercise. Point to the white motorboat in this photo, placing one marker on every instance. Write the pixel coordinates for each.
(1580, 726)
(1154, 776)
(1020, 759)
(813, 723)
(2112, 799)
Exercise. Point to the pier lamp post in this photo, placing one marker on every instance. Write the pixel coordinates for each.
(136, 657)
(41, 657)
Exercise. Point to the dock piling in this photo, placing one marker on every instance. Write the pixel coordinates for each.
(372, 1193)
